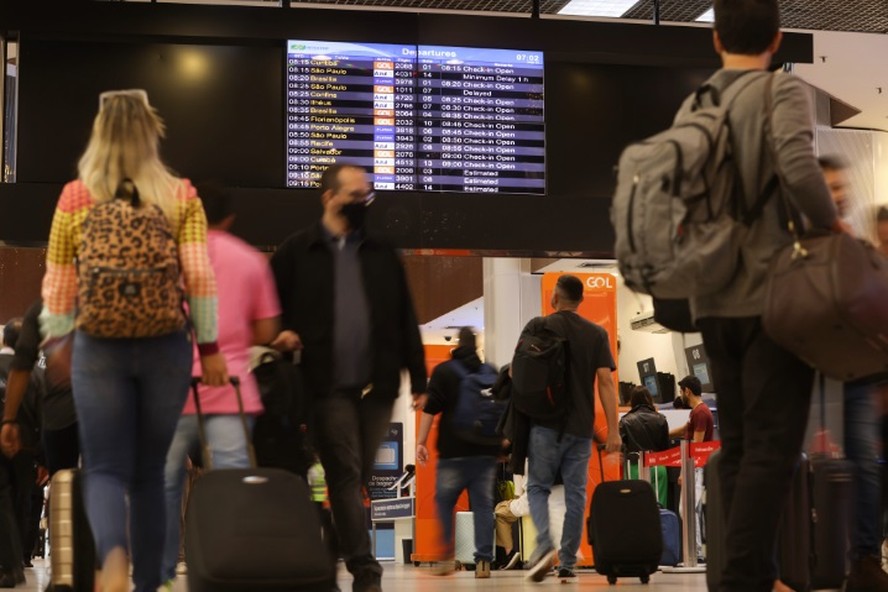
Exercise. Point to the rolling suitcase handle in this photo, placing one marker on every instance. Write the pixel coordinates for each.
(601, 448)
(640, 465)
(822, 445)
(204, 445)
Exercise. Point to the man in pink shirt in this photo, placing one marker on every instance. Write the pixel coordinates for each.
(248, 315)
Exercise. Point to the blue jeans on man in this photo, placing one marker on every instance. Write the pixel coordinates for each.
(547, 455)
(228, 446)
(477, 475)
(862, 426)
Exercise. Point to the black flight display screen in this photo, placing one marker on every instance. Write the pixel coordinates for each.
(418, 118)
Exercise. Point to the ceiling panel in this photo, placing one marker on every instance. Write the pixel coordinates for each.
(828, 15)
(823, 15)
(517, 6)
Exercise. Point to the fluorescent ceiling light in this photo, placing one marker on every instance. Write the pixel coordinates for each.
(707, 17)
(606, 8)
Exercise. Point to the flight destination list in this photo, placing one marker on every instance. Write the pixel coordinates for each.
(419, 118)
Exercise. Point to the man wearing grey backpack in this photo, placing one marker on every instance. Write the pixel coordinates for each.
(763, 390)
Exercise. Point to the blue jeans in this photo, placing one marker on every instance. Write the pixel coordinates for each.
(546, 455)
(477, 475)
(129, 394)
(225, 437)
(862, 434)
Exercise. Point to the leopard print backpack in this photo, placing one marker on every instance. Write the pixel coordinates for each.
(128, 272)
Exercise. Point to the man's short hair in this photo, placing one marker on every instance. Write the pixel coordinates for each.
(746, 27)
(882, 214)
(11, 332)
(691, 383)
(467, 338)
(570, 288)
(832, 162)
(216, 201)
(330, 176)
(640, 395)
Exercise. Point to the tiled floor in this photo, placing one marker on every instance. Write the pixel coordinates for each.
(399, 578)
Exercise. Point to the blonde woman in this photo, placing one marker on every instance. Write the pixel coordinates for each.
(129, 391)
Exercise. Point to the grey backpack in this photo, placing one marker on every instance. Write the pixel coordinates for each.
(678, 211)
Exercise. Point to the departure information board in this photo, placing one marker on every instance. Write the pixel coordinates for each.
(419, 118)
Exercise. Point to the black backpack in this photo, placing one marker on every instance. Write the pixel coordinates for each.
(540, 370)
(280, 435)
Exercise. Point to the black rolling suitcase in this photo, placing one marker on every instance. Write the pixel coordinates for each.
(624, 529)
(813, 532)
(72, 549)
(794, 532)
(715, 523)
(830, 493)
(253, 530)
(793, 542)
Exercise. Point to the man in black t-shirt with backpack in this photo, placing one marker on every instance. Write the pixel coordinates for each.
(466, 461)
(565, 443)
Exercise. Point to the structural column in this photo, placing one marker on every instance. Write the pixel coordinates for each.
(511, 298)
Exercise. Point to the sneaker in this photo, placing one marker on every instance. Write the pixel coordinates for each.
(512, 560)
(867, 576)
(444, 568)
(566, 575)
(540, 569)
(482, 569)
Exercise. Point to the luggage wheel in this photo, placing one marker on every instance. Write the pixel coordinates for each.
(645, 579)
(612, 580)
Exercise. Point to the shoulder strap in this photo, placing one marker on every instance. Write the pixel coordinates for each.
(739, 90)
(791, 215)
(774, 182)
(752, 214)
(717, 94)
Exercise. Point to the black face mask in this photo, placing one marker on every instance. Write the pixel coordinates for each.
(355, 214)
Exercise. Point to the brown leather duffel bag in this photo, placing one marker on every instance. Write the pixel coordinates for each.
(827, 302)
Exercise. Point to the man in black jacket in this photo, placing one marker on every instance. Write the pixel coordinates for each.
(463, 464)
(348, 312)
